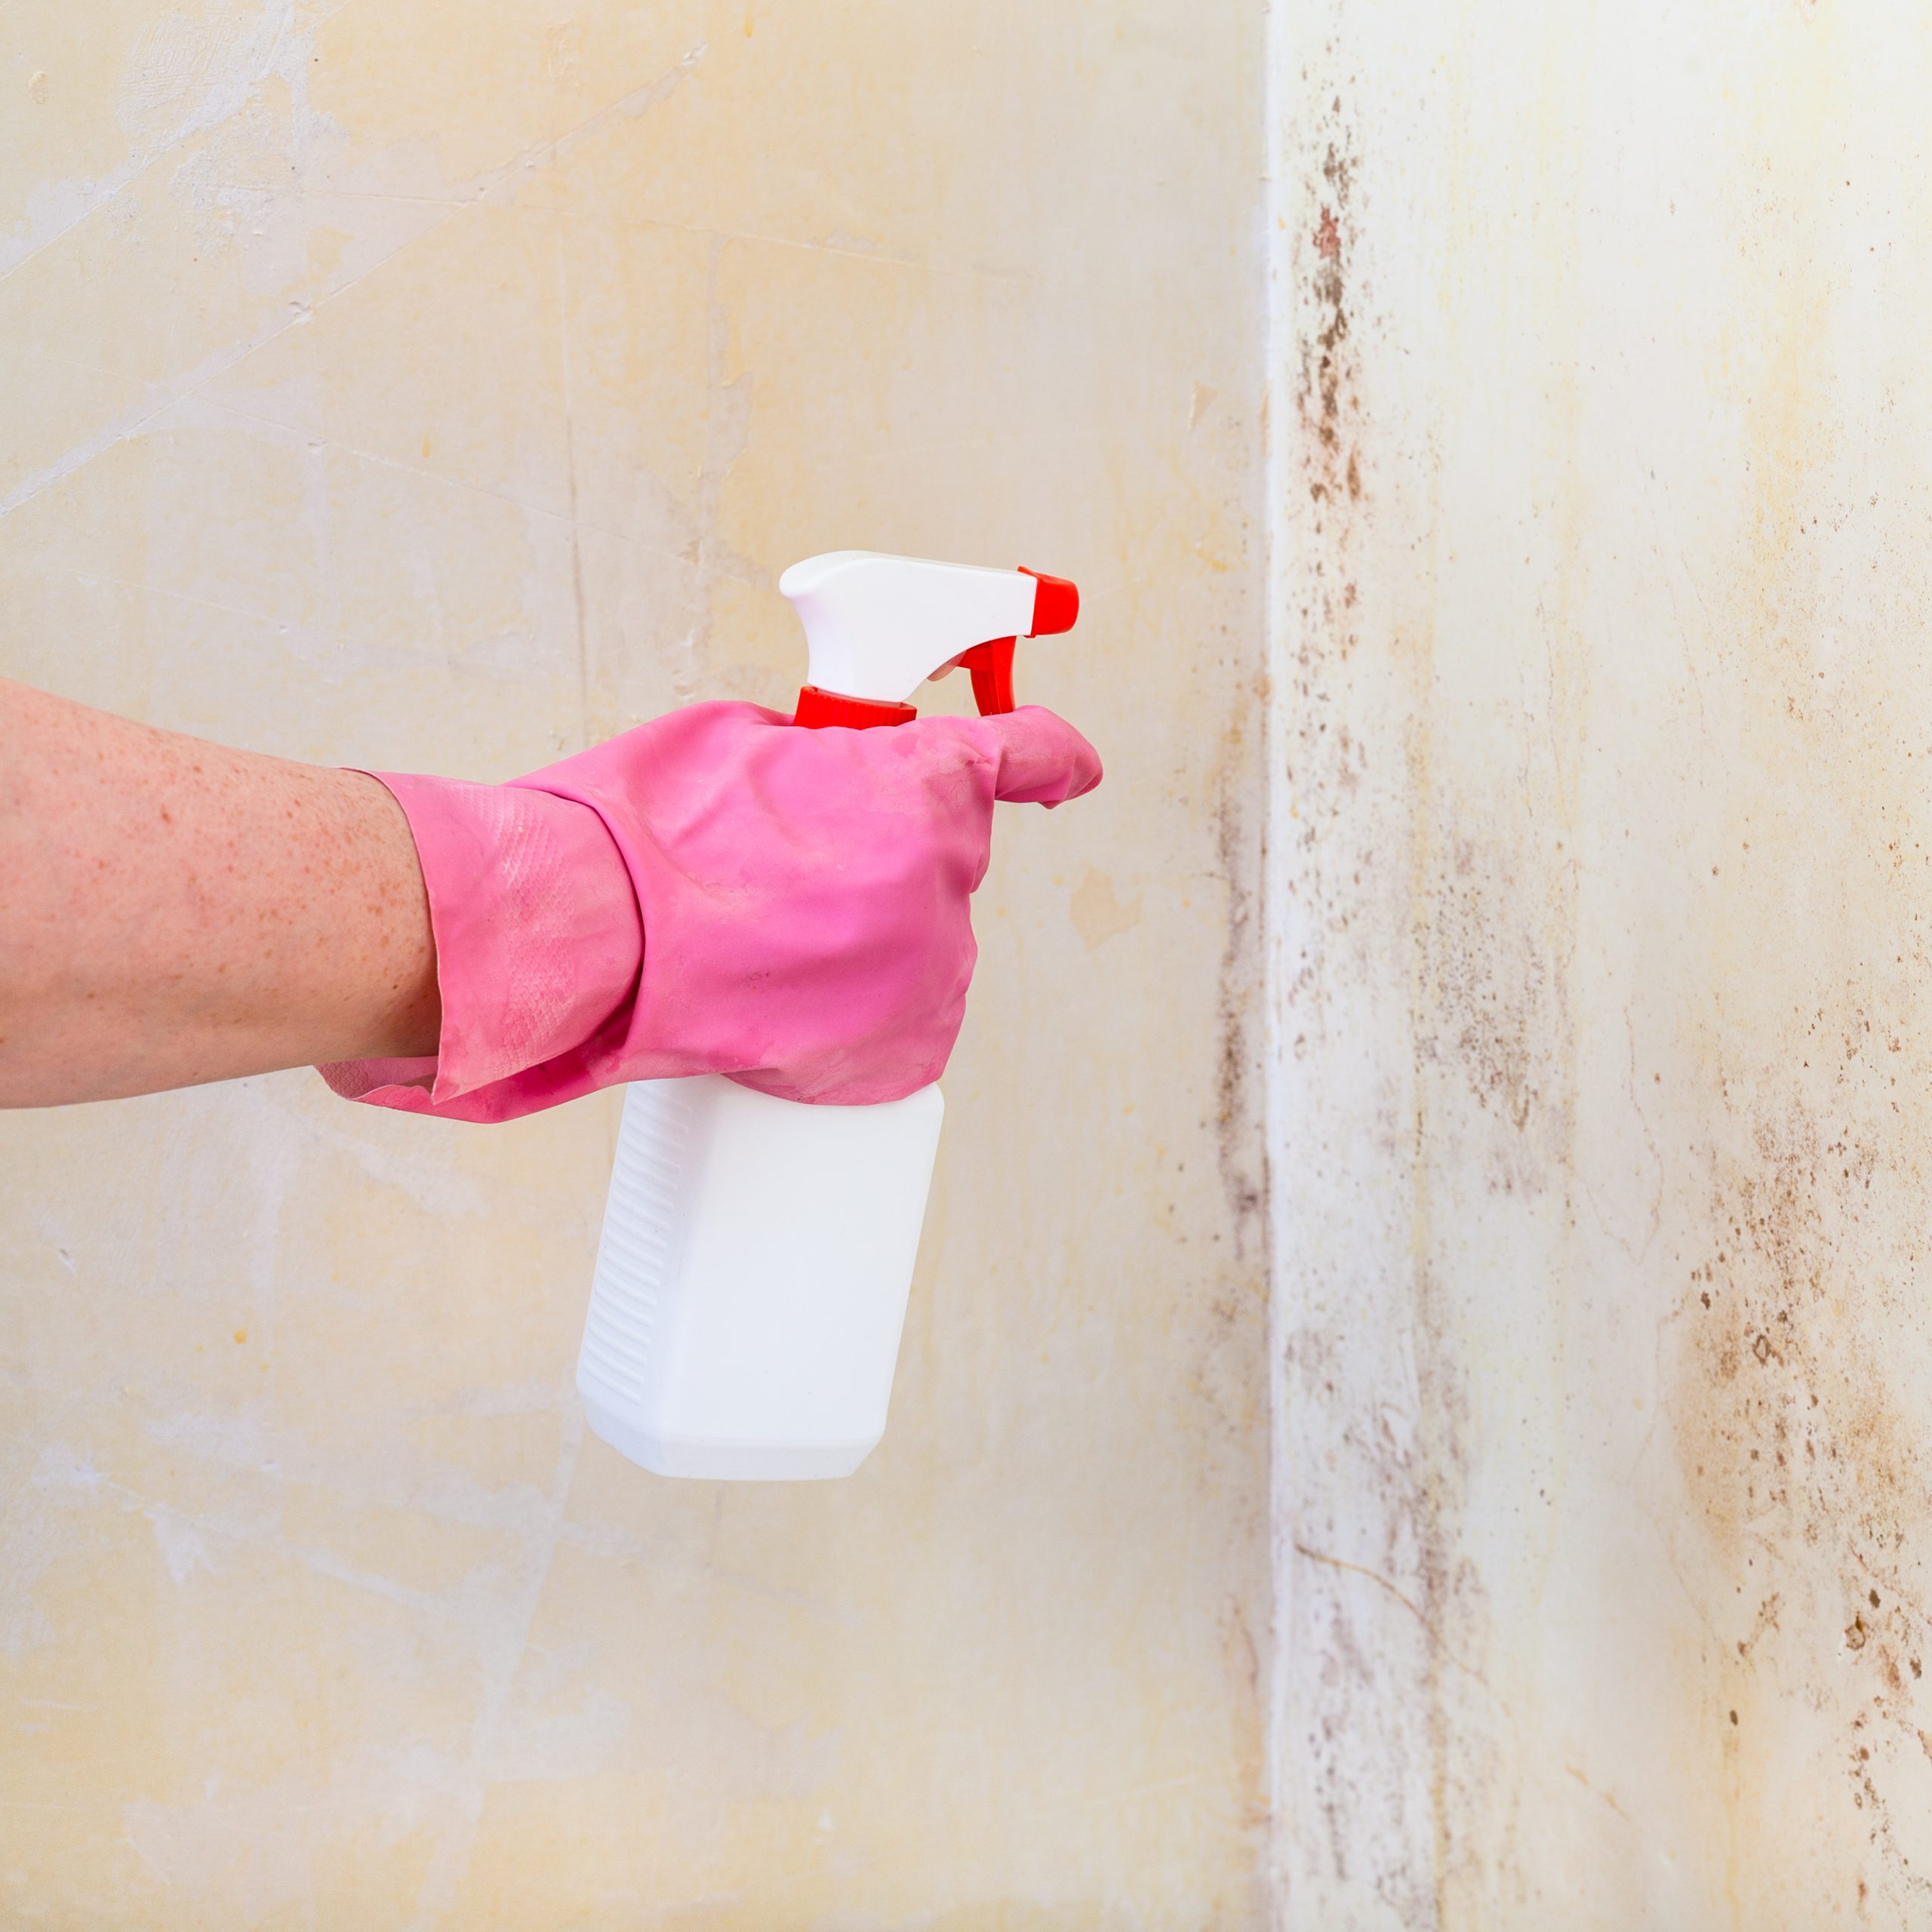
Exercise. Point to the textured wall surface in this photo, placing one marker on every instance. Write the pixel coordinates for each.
(445, 386)
(1604, 859)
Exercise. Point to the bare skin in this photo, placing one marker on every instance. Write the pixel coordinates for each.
(173, 912)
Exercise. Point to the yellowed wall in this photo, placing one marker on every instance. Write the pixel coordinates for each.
(1604, 888)
(444, 386)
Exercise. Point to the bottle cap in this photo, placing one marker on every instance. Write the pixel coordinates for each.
(878, 626)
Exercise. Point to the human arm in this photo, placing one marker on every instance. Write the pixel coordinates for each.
(173, 911)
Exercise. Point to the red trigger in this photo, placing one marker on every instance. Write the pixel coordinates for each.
(991, 666)
(1055, 606)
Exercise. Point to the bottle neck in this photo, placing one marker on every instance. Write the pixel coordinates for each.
(818, 709)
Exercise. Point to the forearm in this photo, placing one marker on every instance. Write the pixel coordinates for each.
(173, 912)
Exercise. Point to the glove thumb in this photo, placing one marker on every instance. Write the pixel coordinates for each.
(1040, 759)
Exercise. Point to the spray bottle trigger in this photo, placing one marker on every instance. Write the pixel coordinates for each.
(991, 664)
(1055, 606)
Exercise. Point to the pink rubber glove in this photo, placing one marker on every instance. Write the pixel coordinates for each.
(718, 891)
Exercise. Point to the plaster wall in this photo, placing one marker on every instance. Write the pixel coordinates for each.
(443, 388)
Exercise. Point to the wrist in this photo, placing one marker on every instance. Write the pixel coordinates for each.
(535, 936)
(400, 1013)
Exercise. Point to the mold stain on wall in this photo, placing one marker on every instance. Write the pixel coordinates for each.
(1365, 1595)
(1601, 905)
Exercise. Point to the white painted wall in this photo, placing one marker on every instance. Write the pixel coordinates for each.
(1602, 879)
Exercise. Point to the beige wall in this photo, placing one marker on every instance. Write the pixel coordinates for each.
(443, 387)
(1605, 1129)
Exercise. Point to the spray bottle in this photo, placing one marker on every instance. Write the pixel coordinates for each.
(757, 1253)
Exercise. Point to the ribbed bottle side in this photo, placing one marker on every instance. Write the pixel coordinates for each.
(635, 1256)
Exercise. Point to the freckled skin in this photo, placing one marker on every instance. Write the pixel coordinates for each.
(173, 912)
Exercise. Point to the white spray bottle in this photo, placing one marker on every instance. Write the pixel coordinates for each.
(757, 1253)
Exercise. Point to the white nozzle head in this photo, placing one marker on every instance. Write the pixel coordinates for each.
(877, 626)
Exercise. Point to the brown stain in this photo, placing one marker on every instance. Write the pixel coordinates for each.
(1098, 912)
(1493, 1009)
(1331, 370)
(1789, 1351)
(1805, 1472)
(1240, 1147)
(1247, 1703)
(1607, 1797)
(1493, 1044)
(1488, 910)
(1790, 1327)
(1237, 1292)
(1324, 764)
(1409, 1619)
(1320, 770)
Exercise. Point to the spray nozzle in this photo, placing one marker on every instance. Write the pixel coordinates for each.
(878, 626)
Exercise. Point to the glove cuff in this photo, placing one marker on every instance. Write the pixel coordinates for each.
(538, 938)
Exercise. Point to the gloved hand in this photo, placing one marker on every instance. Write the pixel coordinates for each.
(718, 891)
